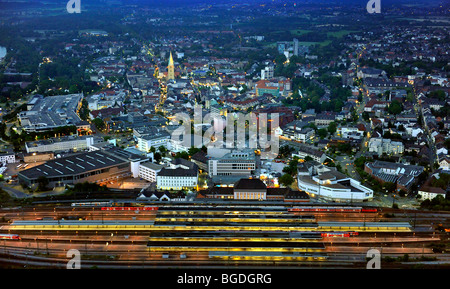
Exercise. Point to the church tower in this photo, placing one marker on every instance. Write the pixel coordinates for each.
(171, 68)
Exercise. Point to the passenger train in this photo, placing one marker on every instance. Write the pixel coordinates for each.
(334, 209)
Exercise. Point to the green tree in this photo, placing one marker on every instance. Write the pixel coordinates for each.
(193, 150)
(291, 168)
(395, 107)
(182, 155)
(286, 180)
(322, 133)
(332, 127)
(163, 150)
(157, 157)
(99, 123)
(84, 110)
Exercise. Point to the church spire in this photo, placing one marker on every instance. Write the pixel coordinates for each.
(171, 68)
(171, 59)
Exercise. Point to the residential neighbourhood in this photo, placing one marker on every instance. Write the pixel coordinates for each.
(221, 105)
(384, 96)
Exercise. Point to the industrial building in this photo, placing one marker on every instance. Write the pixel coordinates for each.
(98, 166)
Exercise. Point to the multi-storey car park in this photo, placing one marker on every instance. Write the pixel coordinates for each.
(47, 113)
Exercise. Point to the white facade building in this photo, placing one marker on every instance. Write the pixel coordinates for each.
(176, 179)
(387, 146)
(60, 144)
(350, 132)
(7, 158)
(145, 143)
(149, 171)
(444, 163)
(334, 186)
(151, 137)
(233, 164)
(430, 193)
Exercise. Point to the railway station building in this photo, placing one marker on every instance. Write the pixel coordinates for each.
(253, 190)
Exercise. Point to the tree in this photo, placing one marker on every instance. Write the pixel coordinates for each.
(193, 150)
(182, 155)
(286, 180)
(390, 187)
(84, 110)
(157, 157)
(308, 158)
(395, 107)
(42, 182)
(322, 133)
(332, 127)
(291, 168)
(285, 151)
(99, 124)
(162, 150)
(365, 116)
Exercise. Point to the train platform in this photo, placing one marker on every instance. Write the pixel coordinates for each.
(263, 256)
(365, 226)
(80, 225)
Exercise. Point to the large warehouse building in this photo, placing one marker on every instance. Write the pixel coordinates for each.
(97, 166)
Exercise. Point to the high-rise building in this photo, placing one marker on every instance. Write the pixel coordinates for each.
(171, 68)
(296, 47)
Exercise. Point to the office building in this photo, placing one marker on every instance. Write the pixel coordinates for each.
(148, 137)
(176, 179)
(239, 164)
(149, 171)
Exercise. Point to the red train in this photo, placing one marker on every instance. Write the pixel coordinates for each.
(129, 208)
(9, 236)
(369, 210)
(339, 234)
(334, 209)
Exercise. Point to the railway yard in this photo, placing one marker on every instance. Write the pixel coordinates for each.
(171, 235)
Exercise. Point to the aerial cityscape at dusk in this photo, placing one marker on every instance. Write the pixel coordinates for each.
(253, 134)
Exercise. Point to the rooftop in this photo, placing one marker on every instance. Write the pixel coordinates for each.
(178, 172)
(52, 111)
(246, 184)
(152, 166)
(75, 164)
